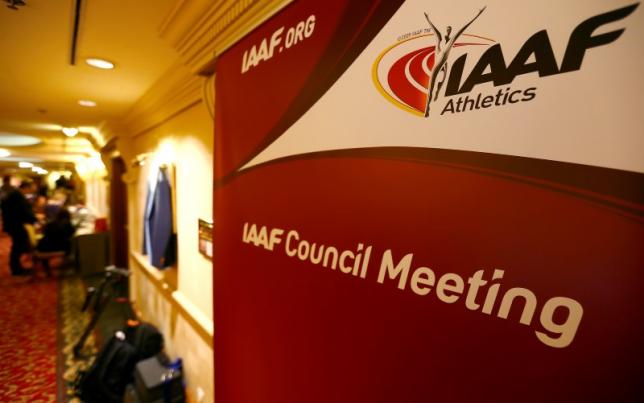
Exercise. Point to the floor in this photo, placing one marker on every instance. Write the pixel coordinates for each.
(29, 335)
(41, 321)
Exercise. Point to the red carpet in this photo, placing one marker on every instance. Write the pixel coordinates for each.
(28, 330)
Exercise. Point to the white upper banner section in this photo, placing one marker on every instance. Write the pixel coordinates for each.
(591, 115)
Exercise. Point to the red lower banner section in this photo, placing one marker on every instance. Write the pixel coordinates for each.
(415, 282)
(275, 74)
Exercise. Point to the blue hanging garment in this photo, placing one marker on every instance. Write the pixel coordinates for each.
(149, 198)
(159, 220)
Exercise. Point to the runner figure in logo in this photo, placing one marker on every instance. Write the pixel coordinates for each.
(441, 52)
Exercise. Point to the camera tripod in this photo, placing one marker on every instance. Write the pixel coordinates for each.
(98, 299)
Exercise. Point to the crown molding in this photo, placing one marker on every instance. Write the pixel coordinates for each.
(110, 131)
(200, 30)
(181, 18)
(176, 90)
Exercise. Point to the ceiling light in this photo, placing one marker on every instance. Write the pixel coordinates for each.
(25, 164)
(70, 131)
(44, 126)
(39, 170)
(4, 152)
(17, 140)
(99, 63)
(87, 103)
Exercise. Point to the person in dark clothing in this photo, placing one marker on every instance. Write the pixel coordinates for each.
(5, 190)
(16, 212)
(61, 182)
(57, 236)
(6, 187)
(41, 187)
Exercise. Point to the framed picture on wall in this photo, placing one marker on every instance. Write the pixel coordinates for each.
(205, 238)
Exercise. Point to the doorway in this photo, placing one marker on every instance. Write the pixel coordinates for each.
(118, 213)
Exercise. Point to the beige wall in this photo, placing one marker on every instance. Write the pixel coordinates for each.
(96, 197)
(178, 300)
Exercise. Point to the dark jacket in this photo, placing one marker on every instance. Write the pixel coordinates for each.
(16, 211)
(57, 236)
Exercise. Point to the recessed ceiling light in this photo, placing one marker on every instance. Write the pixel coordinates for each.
(87, 103)
(99, 63)
(4, 152)
(70, 131)
(25, 164)
(17, 140)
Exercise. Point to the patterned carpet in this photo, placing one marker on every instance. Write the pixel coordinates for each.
(40, 322)
(28, 336)
(72, 323)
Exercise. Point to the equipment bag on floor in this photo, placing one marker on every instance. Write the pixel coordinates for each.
(113, 369)
(157, 380)
(106, 379)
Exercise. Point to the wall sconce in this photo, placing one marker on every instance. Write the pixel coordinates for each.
(139, 160)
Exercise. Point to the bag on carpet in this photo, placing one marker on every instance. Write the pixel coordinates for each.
(106, 379)
(146, 339)
(157, 380)
(113, 368)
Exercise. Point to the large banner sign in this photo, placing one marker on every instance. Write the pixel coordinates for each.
(431, 201)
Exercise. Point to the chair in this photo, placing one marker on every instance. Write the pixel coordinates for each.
(43, 260)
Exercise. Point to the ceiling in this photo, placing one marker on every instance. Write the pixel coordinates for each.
(40, 88)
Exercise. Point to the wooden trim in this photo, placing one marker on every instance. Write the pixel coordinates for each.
(200, 322)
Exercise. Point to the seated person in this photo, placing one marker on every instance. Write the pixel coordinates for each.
(55, 204)
(57, 236)
(39, 207)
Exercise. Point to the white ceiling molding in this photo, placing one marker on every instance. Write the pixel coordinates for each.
(199, 30)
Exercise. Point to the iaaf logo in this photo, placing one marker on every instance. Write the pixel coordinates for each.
(412, 73)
